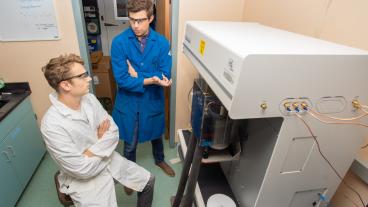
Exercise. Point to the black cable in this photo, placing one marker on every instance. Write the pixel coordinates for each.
(188, 96)
(329, 163)
(365, 146)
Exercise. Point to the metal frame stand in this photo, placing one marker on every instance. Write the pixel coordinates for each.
(188, 179)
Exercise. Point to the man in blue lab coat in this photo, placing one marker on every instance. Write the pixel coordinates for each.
(141, 63)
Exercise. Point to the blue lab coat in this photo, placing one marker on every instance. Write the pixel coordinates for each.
(134, 101)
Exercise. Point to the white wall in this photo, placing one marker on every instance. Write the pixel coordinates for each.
(22, 61)
(339, 21)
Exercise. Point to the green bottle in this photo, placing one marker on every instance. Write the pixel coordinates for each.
(2, 83)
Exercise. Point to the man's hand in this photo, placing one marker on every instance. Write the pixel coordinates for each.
(164, 82)
(131, 70)
(88, 153)
(102, 128)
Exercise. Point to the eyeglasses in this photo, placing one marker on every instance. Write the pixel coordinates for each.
(138, 21)
(82, 75)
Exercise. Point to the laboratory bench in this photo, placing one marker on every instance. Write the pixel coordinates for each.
(12, 95)
(21, 144)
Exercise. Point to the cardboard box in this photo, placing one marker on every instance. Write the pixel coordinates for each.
(106, 86)
(103, 65)
(96, 56)
(104, 81)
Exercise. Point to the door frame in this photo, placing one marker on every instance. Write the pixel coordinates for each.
(174, 51)
(82, 36)
(101, 13)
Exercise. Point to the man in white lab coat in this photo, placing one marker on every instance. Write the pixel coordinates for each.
(81, 138)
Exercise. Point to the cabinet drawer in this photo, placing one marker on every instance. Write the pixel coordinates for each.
(14, 117)
(10, 188)
(26, 147)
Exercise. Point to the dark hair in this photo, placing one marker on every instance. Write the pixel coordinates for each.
(58, 68)
(139, 5)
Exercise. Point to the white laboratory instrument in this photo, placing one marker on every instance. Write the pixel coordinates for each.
(264, 74)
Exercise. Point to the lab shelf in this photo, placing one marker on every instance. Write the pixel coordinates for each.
(211, 179)
(215, 156)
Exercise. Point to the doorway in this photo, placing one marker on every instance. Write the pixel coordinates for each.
(111, 25)
(102, 24)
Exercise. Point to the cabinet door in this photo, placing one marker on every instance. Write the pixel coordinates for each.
(10, 188)
(26, 147)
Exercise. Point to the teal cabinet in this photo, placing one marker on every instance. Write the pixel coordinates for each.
(10, 187)
(21, 151)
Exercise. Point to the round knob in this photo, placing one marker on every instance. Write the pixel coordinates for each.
(263, 106)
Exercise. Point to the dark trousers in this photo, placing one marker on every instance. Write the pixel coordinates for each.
(146, 196)
(131, 148)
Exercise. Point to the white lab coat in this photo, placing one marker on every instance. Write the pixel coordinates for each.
(88, 180)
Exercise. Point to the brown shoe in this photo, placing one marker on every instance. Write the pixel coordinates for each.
(166, 168)
(128, 191)
(64, 199)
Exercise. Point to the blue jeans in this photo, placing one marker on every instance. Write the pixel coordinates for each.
(131, 148)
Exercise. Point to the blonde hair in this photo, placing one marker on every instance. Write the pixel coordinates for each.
(58, 69)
